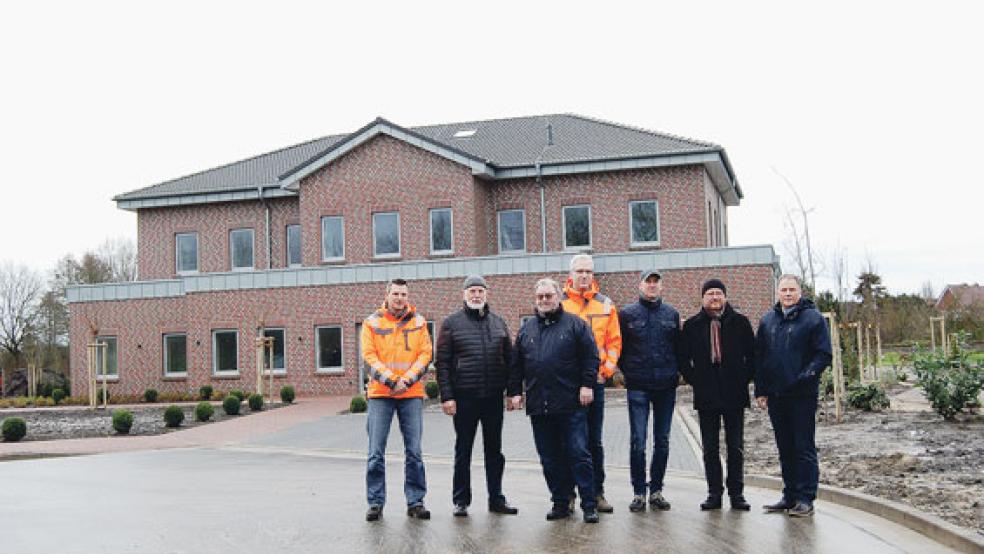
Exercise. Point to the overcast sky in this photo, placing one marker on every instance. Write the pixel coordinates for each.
(871, 109)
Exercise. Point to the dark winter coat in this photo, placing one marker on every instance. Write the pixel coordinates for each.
(650, 345)
(473, 354)
(791, 351)
(555, 356)
(724, 386)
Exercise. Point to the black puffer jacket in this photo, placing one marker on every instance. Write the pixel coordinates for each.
(473, 354)
(555, 355)
(721, 386)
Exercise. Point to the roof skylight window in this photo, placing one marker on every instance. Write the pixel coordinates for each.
(465, 133)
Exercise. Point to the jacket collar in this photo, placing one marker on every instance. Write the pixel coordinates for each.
(651, 304)
(575, 294)
(550, 317)
(407, 315)
(803, 304)
(727, 311)
(476, 314)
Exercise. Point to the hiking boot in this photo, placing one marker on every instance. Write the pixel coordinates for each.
(801, 509)
(638, 503)
(783, 505)
(418, 512)
(460, 510)
(590, 515)
(657, 502)
(374, 513)
(603, 505)
(572, 503)
(713, 502)
(503, 508)
(739, 503)
(558, 511)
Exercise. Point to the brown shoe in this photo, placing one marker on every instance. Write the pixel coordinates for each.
(603, 505)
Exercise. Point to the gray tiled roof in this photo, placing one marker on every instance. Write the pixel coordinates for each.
(502, 143)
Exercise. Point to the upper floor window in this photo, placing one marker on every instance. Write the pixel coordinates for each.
(577, 226)
(175, 354)
(241, 249)
(108, 356)
(293, 245)
(512, 231)
(332, 238)
(186, 252)
(386, 234)
(441, 232)
(644, 223)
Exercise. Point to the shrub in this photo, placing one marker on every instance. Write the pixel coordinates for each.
(432, 389)
(949, 380)
(238, 394)
(868, 398)
(99, 396)
(173, 416)
(205, 392)
(256, 402)
(14, 429)
(122, 421)
(58, 395)
(358, 404)
(204, 411)
(219, 395)
(231, 405)
(44, 389)
(150, 395)
(287, 394)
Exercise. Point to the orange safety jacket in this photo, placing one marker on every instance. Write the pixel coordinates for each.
(602, 316)
(396, 349)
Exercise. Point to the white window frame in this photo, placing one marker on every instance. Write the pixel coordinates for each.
(341, 220)
(430, 218)
(215, 353)
(277, 370)
(317, 350)
(659, 231)
(177, 254)
(399, 238)
(288, 243)
(498, 223)
(252, 246)
(563, 227)
(109, 376)
(165, 357)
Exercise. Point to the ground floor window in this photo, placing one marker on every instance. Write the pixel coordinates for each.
(110, 354)
(329, 348)
(175, 354)
(225, 351)
(279, 362)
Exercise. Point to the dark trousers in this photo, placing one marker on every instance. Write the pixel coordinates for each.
(794, 423)
(596, 422)
(710, 438)
(470, 412)
(562, 443)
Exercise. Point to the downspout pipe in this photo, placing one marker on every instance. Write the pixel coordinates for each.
(266, 220)
(539, 181)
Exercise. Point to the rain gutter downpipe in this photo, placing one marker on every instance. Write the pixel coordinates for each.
(539, 181)
(268, 242)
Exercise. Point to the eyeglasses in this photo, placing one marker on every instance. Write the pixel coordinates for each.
(547, 296)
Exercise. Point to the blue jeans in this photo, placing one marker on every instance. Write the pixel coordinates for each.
(410, 412)
(562, 443)
(640, 402)
(794, 423)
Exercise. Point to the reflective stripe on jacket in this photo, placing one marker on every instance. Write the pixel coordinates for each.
(601, 315)
(394, 349)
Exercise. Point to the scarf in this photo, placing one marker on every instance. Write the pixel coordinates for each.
(715, 336)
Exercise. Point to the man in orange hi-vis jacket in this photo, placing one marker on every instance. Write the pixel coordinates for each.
(397, 347)
(581, 298)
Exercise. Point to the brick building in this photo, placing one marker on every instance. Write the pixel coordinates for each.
(298, 244)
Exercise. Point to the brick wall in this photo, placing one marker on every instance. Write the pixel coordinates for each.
(139, 325)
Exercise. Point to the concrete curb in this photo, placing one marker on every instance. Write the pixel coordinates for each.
(929, 525)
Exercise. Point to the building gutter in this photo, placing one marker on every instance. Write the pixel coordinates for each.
(267, 238)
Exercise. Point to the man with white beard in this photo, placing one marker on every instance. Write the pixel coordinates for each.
(472, 361)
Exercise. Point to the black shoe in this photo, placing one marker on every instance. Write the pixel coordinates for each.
(590, 515)
(781, 506)
(739, 503)
(657, 502)
(374, 513)
(503, 508)
(638, 503)
(713, 502)
(418, 512)
(558, 511)
(801, 509)
(460, 510)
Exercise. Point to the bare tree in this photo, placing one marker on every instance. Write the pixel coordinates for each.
(20, 291)
(839, 270)
(807, 261)
(926, 292)
(120, 256)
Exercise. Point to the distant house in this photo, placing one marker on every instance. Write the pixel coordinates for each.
(297, 244)
(960, 296)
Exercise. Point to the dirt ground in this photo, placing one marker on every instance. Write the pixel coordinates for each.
(76, 423)
(909, 455)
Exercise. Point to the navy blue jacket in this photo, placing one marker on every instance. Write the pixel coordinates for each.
(651, 353)
(791, 351)
(555, 355)
(723, 386)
